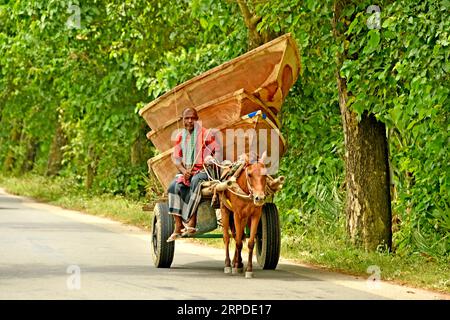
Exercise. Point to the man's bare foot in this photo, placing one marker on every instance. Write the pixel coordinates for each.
(174, 236)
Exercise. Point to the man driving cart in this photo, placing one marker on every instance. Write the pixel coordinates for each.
(194, 146)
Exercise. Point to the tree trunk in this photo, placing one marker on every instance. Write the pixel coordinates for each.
(91, 168)
(137, 153)
(90, 174)
(368, 203)
(9, 162)
(255, 38)
(30, 156)
(55, 156)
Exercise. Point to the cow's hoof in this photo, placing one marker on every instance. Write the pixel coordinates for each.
(248, 274)
(238, 270)
(227, 270)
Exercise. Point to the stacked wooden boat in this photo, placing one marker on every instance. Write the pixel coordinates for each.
(242, 95)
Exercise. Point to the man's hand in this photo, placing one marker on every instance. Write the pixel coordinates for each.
(187, 175)
(209, 160)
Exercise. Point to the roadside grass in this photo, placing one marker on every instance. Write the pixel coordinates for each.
(318, 243)
(67, 194)
(334, 252)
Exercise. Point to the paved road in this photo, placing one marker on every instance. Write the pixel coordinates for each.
(44, 248)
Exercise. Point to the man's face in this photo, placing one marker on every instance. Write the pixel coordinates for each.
(189, 118)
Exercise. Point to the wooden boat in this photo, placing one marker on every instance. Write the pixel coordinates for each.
(253, 132)
(219, 113)
(267, 72)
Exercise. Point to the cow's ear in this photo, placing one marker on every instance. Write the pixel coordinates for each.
(244, 157)
(253, 157)
(263, 157)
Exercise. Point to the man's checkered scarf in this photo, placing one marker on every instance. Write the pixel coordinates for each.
(189, 147)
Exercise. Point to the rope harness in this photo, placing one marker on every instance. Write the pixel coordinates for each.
(231, 171)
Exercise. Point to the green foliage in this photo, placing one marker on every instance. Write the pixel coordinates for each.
(399, 73)
(90, 81)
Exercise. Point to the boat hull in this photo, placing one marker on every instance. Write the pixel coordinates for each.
(219, 113)
(267, 72)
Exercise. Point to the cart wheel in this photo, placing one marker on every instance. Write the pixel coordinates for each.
(268, 237)
(162, 228)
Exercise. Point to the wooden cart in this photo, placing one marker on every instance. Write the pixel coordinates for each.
(225, 97)
(267, 238)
